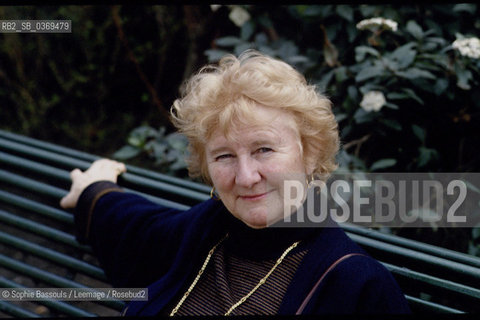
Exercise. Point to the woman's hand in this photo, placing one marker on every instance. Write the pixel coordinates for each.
(100, 170)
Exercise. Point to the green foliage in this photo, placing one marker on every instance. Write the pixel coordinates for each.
(82, 89)
(168, 151)
(427, 120)
(406, 100)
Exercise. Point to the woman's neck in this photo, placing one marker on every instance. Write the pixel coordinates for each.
(262, 244)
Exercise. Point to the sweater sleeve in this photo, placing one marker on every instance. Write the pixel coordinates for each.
(134, 239)
(86, 202)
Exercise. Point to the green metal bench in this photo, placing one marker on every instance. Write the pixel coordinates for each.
(38, 249)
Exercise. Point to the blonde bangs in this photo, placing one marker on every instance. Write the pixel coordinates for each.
(223, 96)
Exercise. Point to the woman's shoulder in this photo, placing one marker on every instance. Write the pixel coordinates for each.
(361, 267)
(349, 273)
(332, 252)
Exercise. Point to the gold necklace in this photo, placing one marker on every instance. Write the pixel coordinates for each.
(242, 300)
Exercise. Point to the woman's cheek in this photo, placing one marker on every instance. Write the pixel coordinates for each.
(221, 175)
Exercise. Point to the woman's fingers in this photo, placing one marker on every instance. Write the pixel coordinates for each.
(74, 173)
(103, 169)
(68, 201)
(122, 168)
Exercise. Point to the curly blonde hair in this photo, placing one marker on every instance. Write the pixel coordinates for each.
(218, 96)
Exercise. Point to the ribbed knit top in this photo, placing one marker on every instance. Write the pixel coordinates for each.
(238, 264)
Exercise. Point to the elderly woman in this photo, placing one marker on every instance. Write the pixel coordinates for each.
(252, 123)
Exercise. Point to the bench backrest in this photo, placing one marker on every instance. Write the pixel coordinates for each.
(38, 249)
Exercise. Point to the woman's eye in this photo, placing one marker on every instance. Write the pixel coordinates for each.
(223, 156)
(264, 150)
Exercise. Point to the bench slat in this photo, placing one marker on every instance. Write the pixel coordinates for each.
(52, 255)
(64, 176)
(8, 136)
(434, 281)
(34, 206)
(16, 311)
(415, 245)
(430, 307)
(32, 185)
(452, 266)
(42, 230)
(57, 305)
(32, 166)
(52, 279)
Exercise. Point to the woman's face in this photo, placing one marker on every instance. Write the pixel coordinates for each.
(249, 167)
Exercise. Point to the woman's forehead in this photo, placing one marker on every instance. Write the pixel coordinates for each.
(244, 134)
(256, 117)
(266, 127)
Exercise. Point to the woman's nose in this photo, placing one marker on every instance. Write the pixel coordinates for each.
(247, 172)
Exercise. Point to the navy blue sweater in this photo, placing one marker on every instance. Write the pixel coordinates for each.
(142, 244)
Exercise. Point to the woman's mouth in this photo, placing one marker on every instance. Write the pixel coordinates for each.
(254, 197)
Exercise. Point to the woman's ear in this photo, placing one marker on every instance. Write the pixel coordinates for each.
(311, 154)
(309, 166)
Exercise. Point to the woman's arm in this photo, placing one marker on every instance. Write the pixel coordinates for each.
(134, 239)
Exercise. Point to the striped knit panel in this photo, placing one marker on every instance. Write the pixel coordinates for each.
(229, 278)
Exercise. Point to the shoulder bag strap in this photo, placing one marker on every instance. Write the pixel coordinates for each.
(310, 294)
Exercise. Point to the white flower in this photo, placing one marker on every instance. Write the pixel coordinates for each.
(469, 47)
(374, 23)
(373, 100)
(215, 7)
(239, 16)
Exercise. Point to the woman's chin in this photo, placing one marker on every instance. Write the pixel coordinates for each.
(255, 220)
